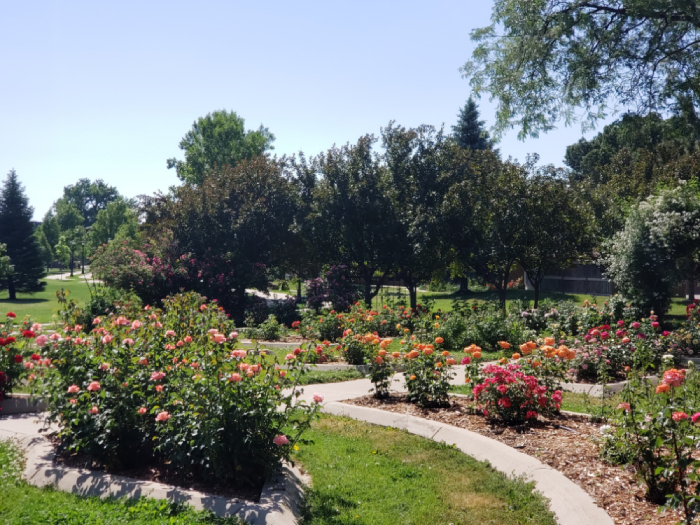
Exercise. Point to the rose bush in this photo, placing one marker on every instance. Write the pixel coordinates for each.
(428, 371)
(171, 388)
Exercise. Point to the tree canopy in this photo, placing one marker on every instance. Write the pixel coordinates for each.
(218, 139)
(544, 59)
(469, 132)
(88, 198)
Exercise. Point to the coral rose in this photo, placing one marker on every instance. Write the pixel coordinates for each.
(280, 440)
(162, 416)
(94, 386)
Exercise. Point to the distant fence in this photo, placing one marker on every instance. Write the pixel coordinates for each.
(582, 279)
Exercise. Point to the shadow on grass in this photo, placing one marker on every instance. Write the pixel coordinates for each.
(23, 301)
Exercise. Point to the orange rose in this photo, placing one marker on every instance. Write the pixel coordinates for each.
(516, 356)
(439, 340)
(504, 344)
(663, 388)
(477, 354)
(549, 341)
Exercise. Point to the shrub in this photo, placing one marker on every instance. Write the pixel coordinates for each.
(656, 429)
(269, 330)
(428, 373)
(341, 292)
(170, 388)
(256, 311)
(316, 294)
(285, 310)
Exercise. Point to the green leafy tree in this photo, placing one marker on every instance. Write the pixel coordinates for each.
(44, 247)
(117, 217)
(558, 231)
(469, 131)
(415, 160)
(51, 228)
(88, 198)
(17, 233)
(68, 216)
(542, 60)
(483, 215)
(219, 139)
(224, 234)
(5, 263)
(62, 251)
(658, 247)
(354, 216)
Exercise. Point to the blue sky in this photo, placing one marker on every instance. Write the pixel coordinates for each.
(108, 89)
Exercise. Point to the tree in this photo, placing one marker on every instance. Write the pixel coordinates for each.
(219, 237)
(68, 216)
(354, 217)
(5, 263)
(16, 231)
(219, 139)
(469, 131)
(44, 247)
(483, 216)
(117, 216)
(558, 230)
(658, 248)
(62, 252)
(415, 160)
(543, 60)
(89, 198)
(51, 228)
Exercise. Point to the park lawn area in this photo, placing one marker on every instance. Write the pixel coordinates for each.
(372, 475)
(314, 377)
(22, 504)
(43, 305)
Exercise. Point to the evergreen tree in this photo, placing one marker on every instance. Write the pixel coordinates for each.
(17, 232)
(469, 131)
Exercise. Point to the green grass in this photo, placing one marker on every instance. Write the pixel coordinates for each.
(371, 475)
(43, 305)
(331, 376)
(23, 504)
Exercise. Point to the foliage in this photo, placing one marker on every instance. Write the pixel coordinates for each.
(655, 428)
(428, 373)
(511, 395)
(469, 131)
(285, 310)
(353, 217)
(116, 221)
(171, 388)
(103, 300)
(218, 141)
(268, 330)
(335, 287)
(20, 346)
(16, 234)
(542, 60)
(5, 263)
(88, 198)
(226, 232)
(657, 248)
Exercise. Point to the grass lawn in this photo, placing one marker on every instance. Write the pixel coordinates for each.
(23, 504)
(43, 305)
(330, 376)
(371, 475)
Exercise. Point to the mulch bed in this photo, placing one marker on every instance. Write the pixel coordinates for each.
(567, 444)
(155, 473)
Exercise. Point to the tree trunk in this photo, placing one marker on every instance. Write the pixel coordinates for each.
(690, 290)
(368, 292)
(299, 291)
(464, 285)
(72, 264)
(536, 285)
(11, 288)
(412, 292)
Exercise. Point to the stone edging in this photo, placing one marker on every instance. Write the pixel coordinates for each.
(21, 404)
(569, 502)
(278, 505)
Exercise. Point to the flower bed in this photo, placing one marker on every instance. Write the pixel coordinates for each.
(172, 390)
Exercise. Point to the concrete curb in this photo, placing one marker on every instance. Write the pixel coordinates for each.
(278, 505)
(569, 502)
(22, 404)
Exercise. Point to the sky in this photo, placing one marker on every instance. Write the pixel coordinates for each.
(106, 90)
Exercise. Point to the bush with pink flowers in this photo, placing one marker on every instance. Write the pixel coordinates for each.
(171, 388)
(513, 396)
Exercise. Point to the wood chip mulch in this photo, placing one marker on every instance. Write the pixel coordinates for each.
(567, 444)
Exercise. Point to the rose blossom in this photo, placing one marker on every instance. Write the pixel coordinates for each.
(142, 410)
(104, 366)
(41, 340)
(94, 410)
(235, 377)
(106, 339)
(73, 389)
(157, 376)
(233, 335)
(94, 386)
(187, 339)
(679, 416)
(280, 440)
(162, 416)
(318, 398)
(219, 338)
(170, 333)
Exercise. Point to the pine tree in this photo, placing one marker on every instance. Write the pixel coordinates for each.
(16, 231)
(469, 131)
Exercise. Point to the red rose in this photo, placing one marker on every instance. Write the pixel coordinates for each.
(10, 340)
(18, 359)
(2, 342)
(35, 357)
(28, 334)
(11, 315)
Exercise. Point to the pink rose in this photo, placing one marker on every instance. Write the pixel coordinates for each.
(104, 366)
(143, 361)
(36, 327)
(219, 338)
(96, 321)
(280, 440)
(655, 324)
(73, 389)
(94, 386)
(73, 401)
(128, 341)
(54, 337)
(136, 325)
(679, 416)
(157, 376)
(41, 340)
(233, 335)
(170, 333)
(283, 373)
(106, 339)
(235, 377)
(212, 331)
(289, 357)
(318, 398)
(94, 410)
(162, 416)
(695, 417)
(187, 339)
(142, 410)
